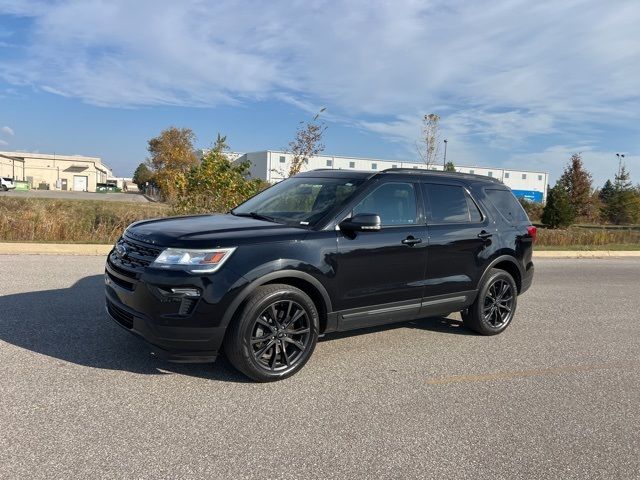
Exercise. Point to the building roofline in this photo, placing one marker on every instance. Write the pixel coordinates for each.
(52, 156)
(403, 161)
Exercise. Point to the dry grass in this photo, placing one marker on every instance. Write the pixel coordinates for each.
(596, 237)
(95, 221)
(72, 221)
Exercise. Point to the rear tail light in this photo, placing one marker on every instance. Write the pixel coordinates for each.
(533, 233)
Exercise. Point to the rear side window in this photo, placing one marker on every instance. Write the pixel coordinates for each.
(507, 205)
(451, 204)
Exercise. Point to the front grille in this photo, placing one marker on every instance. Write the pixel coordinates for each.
(129, 256)
(118, 281)
(112, 261)
(121, 316)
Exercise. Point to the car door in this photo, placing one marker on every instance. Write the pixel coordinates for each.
(380, 273)
(458, 235)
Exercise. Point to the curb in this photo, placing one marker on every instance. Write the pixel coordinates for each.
(585, 253)
(54, 249)
(98, 249)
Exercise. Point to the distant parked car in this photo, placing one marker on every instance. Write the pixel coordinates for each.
(6, 183)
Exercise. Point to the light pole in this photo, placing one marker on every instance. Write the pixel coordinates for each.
(620, 157)
(444, 162)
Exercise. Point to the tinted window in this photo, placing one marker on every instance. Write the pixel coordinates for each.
(507, 205)
(474, 212)
(448, 203)
(394, 202)
(300, 199)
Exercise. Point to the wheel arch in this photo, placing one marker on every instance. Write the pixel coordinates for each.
(509, 265)
(301, 280)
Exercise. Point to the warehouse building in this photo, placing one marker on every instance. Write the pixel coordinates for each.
(55, 172)
(273, 166)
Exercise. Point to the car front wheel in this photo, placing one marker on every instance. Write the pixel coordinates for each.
(495, 306)
(275, 333)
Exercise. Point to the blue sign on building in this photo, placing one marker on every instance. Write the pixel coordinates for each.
(531, 195)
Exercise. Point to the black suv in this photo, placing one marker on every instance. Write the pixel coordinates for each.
(324, 251)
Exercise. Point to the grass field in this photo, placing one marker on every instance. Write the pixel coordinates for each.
(590, 238)
(96, 221)
(73, 221)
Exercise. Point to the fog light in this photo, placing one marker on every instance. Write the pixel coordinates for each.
(186, 292)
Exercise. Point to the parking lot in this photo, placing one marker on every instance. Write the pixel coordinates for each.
(556, 396)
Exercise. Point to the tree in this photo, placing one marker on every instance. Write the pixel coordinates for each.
(429, 145)
(558, 212)
(172, 156)
(622, 204)
(449, 167)
(307, 143)
(607, 191)
(534, 209)
(142, 175)
(576, 181)
(217, 184)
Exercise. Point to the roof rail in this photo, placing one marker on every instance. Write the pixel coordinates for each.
(426, 171)
(407, 169)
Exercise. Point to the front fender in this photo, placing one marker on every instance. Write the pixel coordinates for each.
(275, 270)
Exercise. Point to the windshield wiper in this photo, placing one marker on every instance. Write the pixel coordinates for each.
(256, 215)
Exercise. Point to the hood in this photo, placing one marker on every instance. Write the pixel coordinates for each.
(210, 231)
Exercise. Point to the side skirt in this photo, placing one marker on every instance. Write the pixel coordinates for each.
(402, 311)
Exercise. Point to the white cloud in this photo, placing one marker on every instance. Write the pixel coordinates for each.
(3, 143)
(500, 74)
(602, 165)
(7, 131)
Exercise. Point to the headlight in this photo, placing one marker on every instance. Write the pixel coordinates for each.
(196, 261)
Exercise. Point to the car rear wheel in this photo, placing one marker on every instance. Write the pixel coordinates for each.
(275, 333)
(4, 188)
(495, 306)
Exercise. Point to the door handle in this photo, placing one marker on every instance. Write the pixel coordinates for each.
(411, 240)
(484, 235)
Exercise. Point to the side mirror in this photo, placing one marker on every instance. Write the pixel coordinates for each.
(361, 222)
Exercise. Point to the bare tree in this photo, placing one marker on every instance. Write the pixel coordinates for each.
(429, 145)
(307, 142)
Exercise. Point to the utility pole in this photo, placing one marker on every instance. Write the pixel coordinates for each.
(620, 157)
(444, 162)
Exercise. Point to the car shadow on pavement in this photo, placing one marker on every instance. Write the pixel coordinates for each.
(71, 324)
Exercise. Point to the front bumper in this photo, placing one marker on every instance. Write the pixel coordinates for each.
(172, 350)
(141, 303)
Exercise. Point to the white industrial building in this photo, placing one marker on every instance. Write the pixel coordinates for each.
(273, 166)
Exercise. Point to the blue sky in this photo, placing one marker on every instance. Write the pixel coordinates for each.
(517, 83)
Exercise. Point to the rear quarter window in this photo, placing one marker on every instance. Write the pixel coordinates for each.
(507, 204)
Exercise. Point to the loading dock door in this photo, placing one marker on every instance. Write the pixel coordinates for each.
(79, 183)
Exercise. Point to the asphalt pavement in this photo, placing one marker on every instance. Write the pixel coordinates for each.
(557, 395)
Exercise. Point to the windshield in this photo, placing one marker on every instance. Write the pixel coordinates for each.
(300, 201)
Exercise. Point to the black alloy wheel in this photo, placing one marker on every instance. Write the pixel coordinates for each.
(280, 335)
(274, 334)
(494, 307)
(498, 303)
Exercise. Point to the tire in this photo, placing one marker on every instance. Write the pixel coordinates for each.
(495, 305)
(274, 334)
(5, 188)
